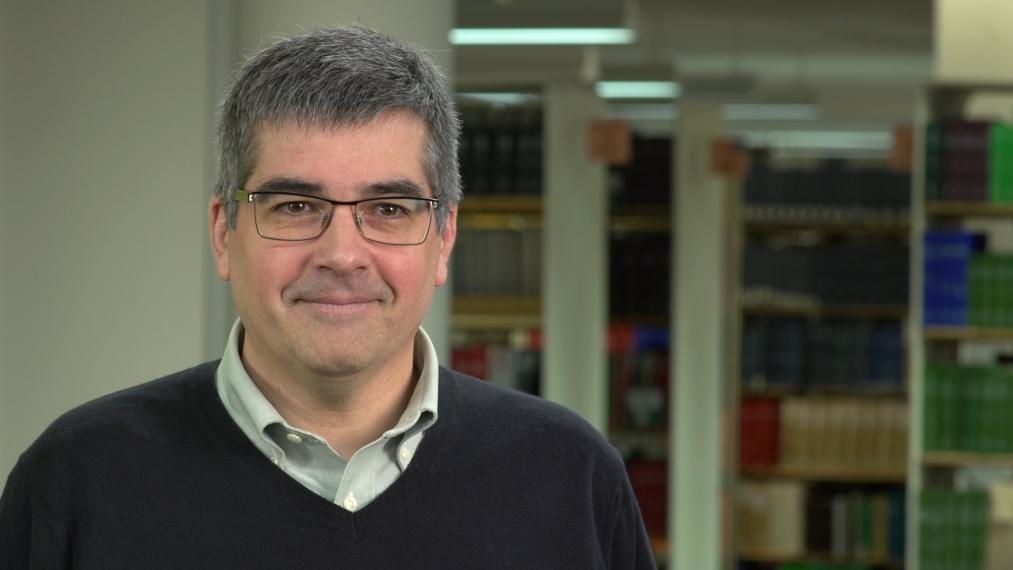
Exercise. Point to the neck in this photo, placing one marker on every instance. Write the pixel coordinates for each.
(349, 411)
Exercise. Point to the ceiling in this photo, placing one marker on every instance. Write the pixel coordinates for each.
(861, 61)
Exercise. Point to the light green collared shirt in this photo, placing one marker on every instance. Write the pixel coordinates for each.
(354, 482)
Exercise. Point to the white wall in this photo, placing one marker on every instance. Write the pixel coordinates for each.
(104, 142)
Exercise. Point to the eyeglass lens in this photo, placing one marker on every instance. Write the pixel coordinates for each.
(397, 221)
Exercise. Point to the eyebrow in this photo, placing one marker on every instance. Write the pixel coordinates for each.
(396, 187)
(282, 184)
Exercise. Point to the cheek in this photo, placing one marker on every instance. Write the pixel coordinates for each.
(266, 272)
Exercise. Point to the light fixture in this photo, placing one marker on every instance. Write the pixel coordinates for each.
(540, 36)
(637, 89)
(820, 140)
(770, 112)
(500, 98)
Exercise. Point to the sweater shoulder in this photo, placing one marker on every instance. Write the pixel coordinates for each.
(506, 415)
(134, 415)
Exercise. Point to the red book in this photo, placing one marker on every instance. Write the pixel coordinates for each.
(759, 431)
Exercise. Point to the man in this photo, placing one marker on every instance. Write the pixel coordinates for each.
(327, 436)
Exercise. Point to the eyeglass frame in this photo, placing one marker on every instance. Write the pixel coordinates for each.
(240, 195)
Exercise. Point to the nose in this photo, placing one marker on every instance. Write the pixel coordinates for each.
(341, 246)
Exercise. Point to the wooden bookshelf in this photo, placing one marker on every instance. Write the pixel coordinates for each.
(507, 204)
(827, 311)
(958, 333)
(830, 474)
(949, 209)
(956, 459)
(496, 312)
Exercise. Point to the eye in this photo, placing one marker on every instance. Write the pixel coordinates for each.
(389, 210)
(295, 207)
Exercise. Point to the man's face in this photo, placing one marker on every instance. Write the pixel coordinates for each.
(338, 304)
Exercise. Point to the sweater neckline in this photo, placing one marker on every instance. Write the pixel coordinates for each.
(255, 467)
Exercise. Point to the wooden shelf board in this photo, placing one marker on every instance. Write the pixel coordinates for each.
(495, 321)
(648, 223)
(501, 204)
(827, 392)
(770, 556)
(496, 311)
(829, 311)
(827, 227)
(966, 459)
(498, 221)
(943, 208)
(835, 474)
(947, 333)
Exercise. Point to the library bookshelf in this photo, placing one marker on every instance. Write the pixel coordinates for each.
(962, 197)
(820, 438)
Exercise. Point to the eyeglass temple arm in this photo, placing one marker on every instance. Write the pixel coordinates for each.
(242, 195)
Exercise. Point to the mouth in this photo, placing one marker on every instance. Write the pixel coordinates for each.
(343, 307)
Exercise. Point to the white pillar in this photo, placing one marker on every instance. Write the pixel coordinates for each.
(426, 24)
(700, 336)
(574, 292)
(972, 41)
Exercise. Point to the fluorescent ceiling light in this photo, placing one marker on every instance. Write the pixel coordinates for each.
(637, 89)
(745, 112)
(501, 98)
(770, 112)
(540, 36)
(820, 140)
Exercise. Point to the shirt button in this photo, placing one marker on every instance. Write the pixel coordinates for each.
(294, 437)
(406, 454)
(350, 503)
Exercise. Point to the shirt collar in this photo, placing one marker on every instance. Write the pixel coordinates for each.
(253, 413)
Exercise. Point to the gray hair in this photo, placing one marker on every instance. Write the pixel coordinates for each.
(331, 78)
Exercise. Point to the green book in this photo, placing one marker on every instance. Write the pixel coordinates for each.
(930, 415)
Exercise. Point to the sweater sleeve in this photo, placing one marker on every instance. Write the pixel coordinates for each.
(630, 548)
(30, 537)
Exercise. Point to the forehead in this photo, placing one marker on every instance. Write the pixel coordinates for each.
(390, 145)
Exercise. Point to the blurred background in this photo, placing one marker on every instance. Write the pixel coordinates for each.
(765, 247)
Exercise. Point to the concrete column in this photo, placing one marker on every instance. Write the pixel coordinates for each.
(574, 291)
(259, 22)
(700, 339)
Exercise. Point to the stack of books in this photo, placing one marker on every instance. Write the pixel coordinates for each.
(638, 377)
(501, 151)
(832, 192)
(967, 408)
(953, 530)
(839, 354)
(856, 524)
(498, 262)
(969, 161)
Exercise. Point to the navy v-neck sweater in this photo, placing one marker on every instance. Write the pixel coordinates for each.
(159, 476)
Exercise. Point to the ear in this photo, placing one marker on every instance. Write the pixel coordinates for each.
(219, 232)
(447, 238)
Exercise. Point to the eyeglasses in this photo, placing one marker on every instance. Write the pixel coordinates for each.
(390, 220)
